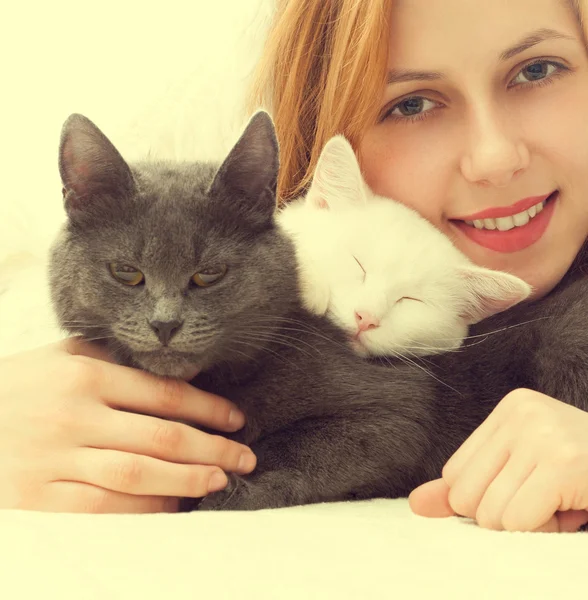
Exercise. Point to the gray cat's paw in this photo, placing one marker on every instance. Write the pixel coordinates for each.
(234, 497)
(274, 489)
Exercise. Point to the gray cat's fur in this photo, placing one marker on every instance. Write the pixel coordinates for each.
(324, 424)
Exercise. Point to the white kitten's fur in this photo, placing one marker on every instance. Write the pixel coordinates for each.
(419, 292)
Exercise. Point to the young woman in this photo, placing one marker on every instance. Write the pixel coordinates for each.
(474, 113)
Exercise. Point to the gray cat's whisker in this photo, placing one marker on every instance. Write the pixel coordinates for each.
(86, 323)
(202, 335)
(246, 356)
(265, 349)
(281, 341)
(89, 326)
(316, 333)
(96, 339)
(277, 335)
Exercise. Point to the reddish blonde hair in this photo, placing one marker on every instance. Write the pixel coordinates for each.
(322, 73)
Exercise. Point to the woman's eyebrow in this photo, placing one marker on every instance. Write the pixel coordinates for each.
(534, 38)
(402, 75)
(530, 40)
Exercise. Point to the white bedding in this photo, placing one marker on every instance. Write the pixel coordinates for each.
(344, 551)
(112, 68)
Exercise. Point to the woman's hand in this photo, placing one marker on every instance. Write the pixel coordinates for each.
(66, 444)
(524, 469)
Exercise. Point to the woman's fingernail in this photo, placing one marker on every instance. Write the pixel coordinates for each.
(218, 481)
(247, 462)
(236, 419)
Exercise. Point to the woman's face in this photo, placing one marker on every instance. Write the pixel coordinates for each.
(483, 124)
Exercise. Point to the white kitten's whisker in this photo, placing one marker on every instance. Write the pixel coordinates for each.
(389, 362)
(484, 335)
(420, 358)
(425, 347)
(429, 373)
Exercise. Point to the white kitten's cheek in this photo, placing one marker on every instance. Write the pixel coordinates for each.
(315, 298)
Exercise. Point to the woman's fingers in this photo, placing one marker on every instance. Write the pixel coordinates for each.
(454, 466)
(535, 503)
(431, 499)
(474, 476)
(170, 398)
(501, 491)
(138, 391)
(76, 497)
(168, 441)
(141, 475)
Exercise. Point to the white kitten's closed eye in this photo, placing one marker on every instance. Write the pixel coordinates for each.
(361, 267)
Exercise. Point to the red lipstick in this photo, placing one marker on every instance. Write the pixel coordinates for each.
(517, 238)
(506, 211)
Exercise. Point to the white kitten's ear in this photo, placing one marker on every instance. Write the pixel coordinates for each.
(490, 292)
(337, 178)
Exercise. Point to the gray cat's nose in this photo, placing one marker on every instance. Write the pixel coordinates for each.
(166, 330)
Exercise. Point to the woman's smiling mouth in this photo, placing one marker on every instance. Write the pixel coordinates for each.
(510, 229)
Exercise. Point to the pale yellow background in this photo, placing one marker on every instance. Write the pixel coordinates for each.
(174, 68)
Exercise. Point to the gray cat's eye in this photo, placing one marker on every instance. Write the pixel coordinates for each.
(126, 274)
(208, 276)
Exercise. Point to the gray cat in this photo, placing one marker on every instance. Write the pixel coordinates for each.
(180, 269)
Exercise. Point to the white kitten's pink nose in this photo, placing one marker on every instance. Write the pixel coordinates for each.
(365, 320)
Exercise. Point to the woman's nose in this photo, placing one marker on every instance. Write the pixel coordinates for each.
(496, 154)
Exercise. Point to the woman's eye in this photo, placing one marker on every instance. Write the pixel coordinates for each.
(126, 274)
(207, 277)
(414, 107)
(537, 71)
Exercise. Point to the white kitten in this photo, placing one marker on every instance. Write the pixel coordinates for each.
(382, 272)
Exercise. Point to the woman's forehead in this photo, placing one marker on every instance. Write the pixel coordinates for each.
(459, 30)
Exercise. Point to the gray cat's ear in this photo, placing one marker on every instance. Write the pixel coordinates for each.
(337, 180)
(246, 182)
(490, 292)
(90, 166)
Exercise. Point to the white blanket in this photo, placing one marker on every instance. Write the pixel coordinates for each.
(342, 551)
(112, 66)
